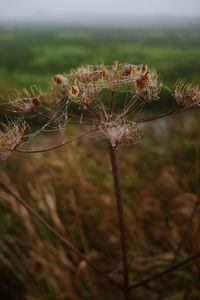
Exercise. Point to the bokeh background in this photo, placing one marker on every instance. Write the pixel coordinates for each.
(72, 187)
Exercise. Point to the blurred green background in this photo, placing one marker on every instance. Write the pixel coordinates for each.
(32, 54)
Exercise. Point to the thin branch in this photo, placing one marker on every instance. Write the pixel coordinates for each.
(129, 104)
(70, 246)
(111, 102)
(43, 115)
(78, 117)
(137, 105)
(167, 271)
(54, 120)
(121, 221)
(181, 243)
(173, 111)
(57, 146)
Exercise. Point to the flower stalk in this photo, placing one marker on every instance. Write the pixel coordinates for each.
(121, 220)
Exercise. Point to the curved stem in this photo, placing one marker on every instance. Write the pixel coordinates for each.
(121, 221)
(57, 146)
(50, 228)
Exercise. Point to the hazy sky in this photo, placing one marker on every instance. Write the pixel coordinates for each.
(26, 9)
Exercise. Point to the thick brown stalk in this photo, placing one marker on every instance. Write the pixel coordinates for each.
(121, 221)
(35, 215)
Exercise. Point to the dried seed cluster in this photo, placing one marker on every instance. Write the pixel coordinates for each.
(85, 84)
(121, 132)
(186, 95)
(25, 101)
(11, 136)
(113, 118)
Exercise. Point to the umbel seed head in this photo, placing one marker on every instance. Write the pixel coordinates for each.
(98, 93)
(186, 95)
(11, 136)
(121, 132)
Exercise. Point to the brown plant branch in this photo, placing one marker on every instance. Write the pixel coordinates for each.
(181, 243)
(50, 228)
(121, 221)
(167, 271)
(173, 111)
(57, 146)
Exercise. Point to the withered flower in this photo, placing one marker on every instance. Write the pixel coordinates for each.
(59, 79)
(143, 69)
(84, 74)
(121, 132)
(143, 82)
(74, 92)
(186, 95)
(11, 136)
(115, 65)
(103, 72)
(25, 101)
(90, 87)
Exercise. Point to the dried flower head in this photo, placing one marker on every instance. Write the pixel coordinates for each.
(108, 98)
(121, 132)
(12, 135)
(84, 74)
(143, 69)
(25, 101)
(143, 82)
(103, 72)
(115, 65)
(59, 79)
(186, 95)
(74, 92)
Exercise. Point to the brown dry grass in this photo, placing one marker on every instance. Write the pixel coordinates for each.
(72, 189)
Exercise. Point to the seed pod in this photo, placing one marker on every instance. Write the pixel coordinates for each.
(143, 69)
(36, 101)
(74, 92)
(103, 72)
(84, 74)
(59, 79)
(84, 99)
(115, 65)
(127, 70)
(133, 70)
(143, 82)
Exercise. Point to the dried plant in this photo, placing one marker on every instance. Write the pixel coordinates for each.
(108, 100)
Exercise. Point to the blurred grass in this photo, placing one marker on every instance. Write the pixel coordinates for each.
(72, 189)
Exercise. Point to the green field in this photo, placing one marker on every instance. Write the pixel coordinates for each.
(33, 54)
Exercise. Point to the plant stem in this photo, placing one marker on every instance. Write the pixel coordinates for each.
(121, 221)
(181, 243)
(57, 146)
(56, 234)
(167, 271)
